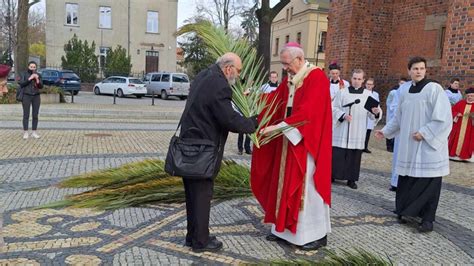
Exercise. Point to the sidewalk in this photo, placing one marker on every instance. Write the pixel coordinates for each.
(154, 234)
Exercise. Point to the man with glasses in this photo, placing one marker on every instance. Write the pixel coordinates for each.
(291, 175)
(210, 116)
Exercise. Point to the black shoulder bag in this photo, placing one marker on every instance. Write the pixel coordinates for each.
(194, 158)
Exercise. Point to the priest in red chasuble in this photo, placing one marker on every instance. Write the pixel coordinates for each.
(291, 175)
(461, 139)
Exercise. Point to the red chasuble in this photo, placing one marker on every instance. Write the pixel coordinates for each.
(461, 139)
(312, 103)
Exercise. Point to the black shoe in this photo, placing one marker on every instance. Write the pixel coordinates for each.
(189, 243)
(425, 227)
(315, 244)
(248, 152)
(272, 238)
(400, 220)
(392, 188)
(240, 153)
(213, 246)
(367, 151)
(352, 184)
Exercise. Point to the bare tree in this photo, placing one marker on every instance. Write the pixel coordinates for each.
(8, 19)
(22, 44)
(265, 15)
(221, 11)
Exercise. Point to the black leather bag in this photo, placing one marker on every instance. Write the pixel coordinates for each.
(191, 157)
(19, 94)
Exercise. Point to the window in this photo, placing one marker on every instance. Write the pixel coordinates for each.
(103, 56)
(72, 11)
(298, 37)
(165, 77)
(179, 78)
(322, 42)
(156, 77)
(277, 44)
(291, 13)
(287, 39)
(287, 14)
(441, 41)
(105, 17)
(152, 22)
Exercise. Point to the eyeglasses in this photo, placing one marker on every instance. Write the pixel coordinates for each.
(289, 63)
(238, 69)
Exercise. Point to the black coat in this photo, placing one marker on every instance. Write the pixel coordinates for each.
(29, 86)
(211, 112)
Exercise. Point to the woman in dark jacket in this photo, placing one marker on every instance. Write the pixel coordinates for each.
(30, 82)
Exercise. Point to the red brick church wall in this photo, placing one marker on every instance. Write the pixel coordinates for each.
(380, 36)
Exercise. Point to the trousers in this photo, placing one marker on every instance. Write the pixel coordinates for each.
(35, 102)
(198, 207)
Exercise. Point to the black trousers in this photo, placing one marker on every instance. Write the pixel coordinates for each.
(390, 143)
(367, 137)
(246, 144)
(418, 197)
(198, 207)
(346, 164)
(31, 100)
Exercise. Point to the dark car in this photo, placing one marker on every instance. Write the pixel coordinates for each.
(65, 79)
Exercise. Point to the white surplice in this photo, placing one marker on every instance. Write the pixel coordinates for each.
(427, 112)
(313, 220)
(358, 125)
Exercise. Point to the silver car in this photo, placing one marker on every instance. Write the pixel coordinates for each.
(167, 84)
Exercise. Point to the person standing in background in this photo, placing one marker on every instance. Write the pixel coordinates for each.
(369, 85)
(30, 82)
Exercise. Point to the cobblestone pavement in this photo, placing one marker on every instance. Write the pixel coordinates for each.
(154, 234)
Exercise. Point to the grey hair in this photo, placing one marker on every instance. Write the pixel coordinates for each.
(224, 61)
(293, 51)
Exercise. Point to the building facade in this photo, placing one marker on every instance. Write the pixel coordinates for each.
(145, 28)
(381, 36)
(304, 22)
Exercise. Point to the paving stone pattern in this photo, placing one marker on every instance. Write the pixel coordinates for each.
(154, 234)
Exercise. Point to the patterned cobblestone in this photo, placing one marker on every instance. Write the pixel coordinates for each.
(154, 234)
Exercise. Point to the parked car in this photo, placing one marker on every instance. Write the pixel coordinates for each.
(167, 84)
(123, 86)
(65, 79)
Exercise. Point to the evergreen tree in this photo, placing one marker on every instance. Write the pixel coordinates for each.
(81, 58)
(118, 62)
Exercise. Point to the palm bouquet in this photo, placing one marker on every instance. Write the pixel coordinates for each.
(246, 95)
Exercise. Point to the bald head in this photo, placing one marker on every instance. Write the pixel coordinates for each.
(231, 65)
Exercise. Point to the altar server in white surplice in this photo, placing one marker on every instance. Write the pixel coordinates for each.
(423, 121)
(349, 129)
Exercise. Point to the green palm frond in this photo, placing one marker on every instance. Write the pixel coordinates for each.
(218, 42)
(139, 183)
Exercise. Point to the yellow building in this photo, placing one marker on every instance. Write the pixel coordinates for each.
(304, 22)
(145, 28)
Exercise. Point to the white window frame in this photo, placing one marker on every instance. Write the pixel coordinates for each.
(152, 21)
(71, 10)
(105, 17)
(103, 54)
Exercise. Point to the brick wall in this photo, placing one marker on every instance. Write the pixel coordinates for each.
(380, 36)
(458, 57)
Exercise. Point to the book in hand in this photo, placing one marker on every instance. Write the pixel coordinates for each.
(371, 103)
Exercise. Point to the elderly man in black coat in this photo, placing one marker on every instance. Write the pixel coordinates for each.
(211, 112)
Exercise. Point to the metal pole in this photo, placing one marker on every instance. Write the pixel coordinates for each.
(72, 96)
(348, 128)
(115, 94)
(153, 98)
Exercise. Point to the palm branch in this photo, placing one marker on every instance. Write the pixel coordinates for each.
(139, 183)
(218, 42)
